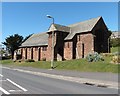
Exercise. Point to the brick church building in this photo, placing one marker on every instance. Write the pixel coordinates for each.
(70, 42)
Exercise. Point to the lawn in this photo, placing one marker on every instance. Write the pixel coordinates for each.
(77, 65)
(115, 49)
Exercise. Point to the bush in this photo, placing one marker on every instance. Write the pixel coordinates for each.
(30, 60)
(116, 53)
(107, 54)
(6, 57)
(94, 57)
(115, 42)
(116, 59)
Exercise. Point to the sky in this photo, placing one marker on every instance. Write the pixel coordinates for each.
(26, 18)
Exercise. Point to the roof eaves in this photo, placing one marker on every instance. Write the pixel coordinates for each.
(72, 34)
(33, 45)
(100, 17)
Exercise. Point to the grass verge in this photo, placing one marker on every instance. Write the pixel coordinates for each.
(77, 65)
(115, 49)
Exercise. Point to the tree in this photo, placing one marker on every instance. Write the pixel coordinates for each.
(13, 42)
(2, 52)
(115, 42)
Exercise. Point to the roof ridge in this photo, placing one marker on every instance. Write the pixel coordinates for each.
(71, 25)
(85, 26)
(36, 34)
(41, 33)
(58, 27)
(61, 25)
(38, 39)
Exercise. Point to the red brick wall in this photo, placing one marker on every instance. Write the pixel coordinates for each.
(59, 46)
(48, 55)
(28, 53)
(44, 53)
(23, 53)
(87, 40)
(68, 50)
(49, 49)
(35, 53)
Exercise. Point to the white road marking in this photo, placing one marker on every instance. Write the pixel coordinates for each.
(17, 85)
(2, 80)
(4, 91)
(15, 90)
(1, 75)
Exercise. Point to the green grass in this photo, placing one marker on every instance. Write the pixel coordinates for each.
(114, 49)
(6, 62)
(37, 64)
(77, 65)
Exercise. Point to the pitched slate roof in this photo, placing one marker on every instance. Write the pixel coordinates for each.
(58, 27)
(42, 38)
(80, 27)
(39, 39)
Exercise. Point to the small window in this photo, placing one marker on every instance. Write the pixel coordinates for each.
(79, 38)
(68, 45)
(44, 49)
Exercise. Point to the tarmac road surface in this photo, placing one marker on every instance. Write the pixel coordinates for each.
(15, 82)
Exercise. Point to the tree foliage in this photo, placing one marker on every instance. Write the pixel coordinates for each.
(115, 42)
(13, 42)
(2, 52)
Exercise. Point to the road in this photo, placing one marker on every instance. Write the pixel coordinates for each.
(15, 82)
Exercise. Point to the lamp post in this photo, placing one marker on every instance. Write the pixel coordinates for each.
(52, 55)
(108, 45)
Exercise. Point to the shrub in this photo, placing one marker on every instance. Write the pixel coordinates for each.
(107, 54)
(94, 57)
(30, 60)
(116, 53)
(115, 42)
(116, 59)
(6, 57)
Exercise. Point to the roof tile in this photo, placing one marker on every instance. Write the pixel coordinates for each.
(39, 39)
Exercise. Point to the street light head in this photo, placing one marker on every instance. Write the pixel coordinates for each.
(49, 16)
